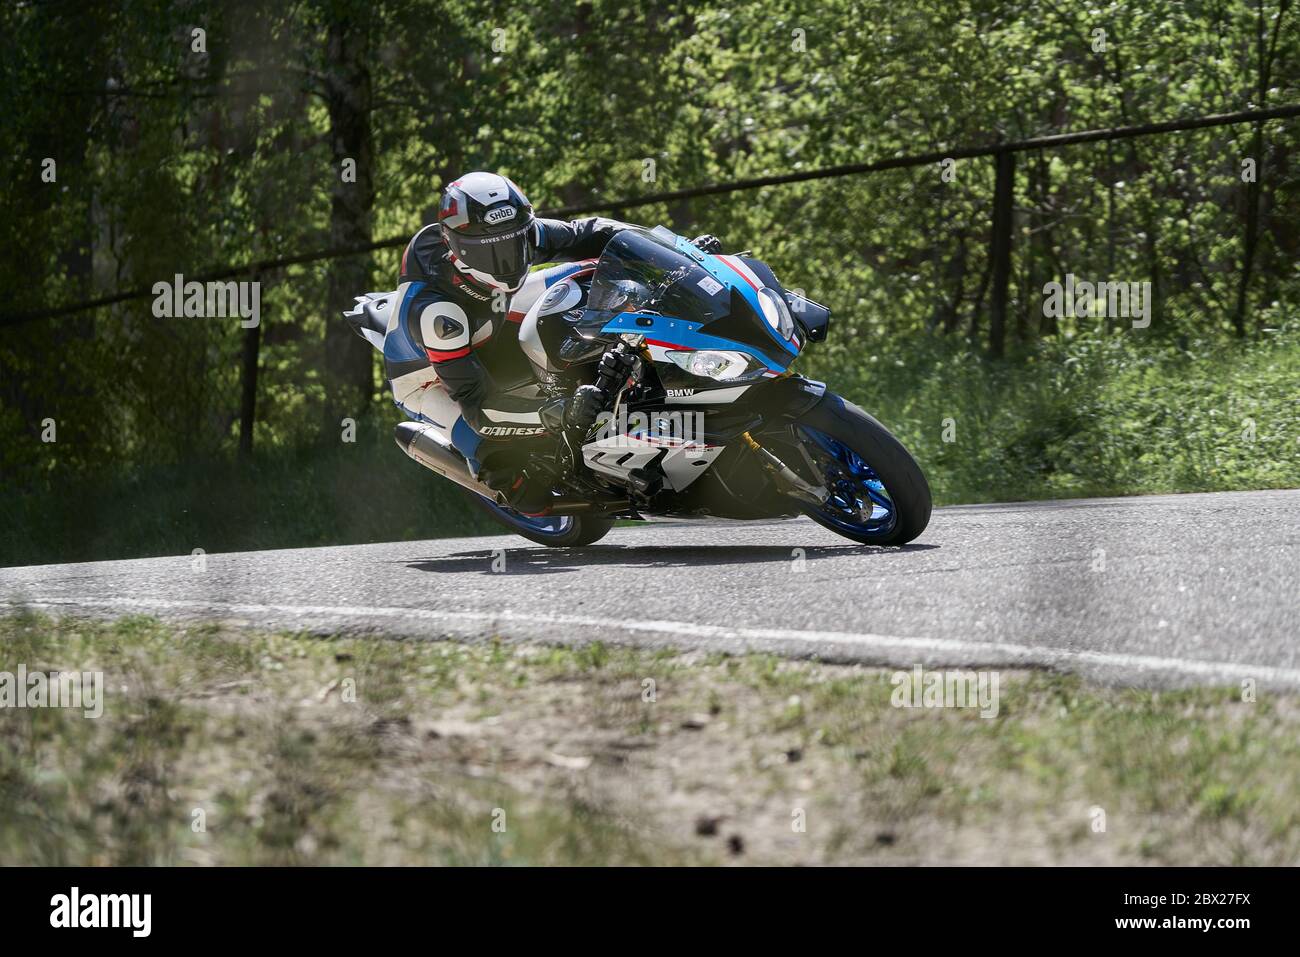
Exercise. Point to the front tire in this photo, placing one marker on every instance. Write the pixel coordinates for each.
(879, 495)
(557, 531)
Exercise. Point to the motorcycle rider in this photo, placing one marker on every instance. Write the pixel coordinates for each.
(458, 279)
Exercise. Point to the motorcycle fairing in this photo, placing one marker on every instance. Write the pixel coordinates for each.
(658, 285)
(370, 317)
(664, 334)
(744, 276)
(543, 330)
(681, 461)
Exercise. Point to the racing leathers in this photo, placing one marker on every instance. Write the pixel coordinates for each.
(438, 345)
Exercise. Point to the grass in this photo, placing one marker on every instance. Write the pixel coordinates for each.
(351, 494)
(1087, 417)
(309, 749)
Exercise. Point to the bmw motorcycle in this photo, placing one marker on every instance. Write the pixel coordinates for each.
(699, 415)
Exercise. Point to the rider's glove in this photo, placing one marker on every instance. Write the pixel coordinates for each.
(580, 411)
(614, 368)
(553, 414)
(708, 243)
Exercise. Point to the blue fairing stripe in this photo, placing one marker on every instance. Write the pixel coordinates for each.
(399, 346)
(570, 270)
(559, 274)
(687, 334)
(723, 272)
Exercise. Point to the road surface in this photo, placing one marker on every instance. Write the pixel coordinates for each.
(1150, 591)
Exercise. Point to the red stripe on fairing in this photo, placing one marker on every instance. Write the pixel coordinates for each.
(737, 268)
(438, 355)
(514, 317)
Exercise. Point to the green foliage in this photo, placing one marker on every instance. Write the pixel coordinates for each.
(1119, 415)
(174, 161)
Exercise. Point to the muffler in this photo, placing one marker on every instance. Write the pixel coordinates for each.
(426, 446)
(598, 505)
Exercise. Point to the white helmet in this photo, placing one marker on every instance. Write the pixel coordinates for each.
(487, 223)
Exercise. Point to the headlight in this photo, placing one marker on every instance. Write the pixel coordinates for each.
(712, 365)
(776, 311)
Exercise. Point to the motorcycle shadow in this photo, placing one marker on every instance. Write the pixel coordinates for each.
(540, 560)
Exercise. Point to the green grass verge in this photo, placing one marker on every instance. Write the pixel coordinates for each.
(1121, 415)
(350, 494)
(300, 749)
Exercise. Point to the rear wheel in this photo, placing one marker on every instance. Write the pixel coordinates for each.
(559, 531)
(878, 495)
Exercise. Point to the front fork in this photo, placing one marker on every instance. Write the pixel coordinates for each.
(785, 478)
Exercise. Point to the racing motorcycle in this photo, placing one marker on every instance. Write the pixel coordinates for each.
(698, 416)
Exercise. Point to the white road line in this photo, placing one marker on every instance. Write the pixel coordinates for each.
(969, 650)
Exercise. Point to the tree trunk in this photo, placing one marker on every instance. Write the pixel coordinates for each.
(1265, 54)
(348, 358)
(1003, 197)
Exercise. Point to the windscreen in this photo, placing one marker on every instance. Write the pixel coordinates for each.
(642, 271)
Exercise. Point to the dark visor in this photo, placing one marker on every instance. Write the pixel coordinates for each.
(504, 256)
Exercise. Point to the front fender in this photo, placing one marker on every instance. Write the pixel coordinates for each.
(785, 397)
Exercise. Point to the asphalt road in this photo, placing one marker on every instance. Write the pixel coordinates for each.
(1158, 590)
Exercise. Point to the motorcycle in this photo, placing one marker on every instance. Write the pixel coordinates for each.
(698, 417)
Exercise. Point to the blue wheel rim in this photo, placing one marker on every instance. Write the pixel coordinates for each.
(859, 501)
(539, 525)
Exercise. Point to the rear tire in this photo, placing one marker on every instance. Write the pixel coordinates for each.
(893, 465)
(576, 530)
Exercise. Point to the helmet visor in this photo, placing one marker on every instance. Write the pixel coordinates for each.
(503, 256)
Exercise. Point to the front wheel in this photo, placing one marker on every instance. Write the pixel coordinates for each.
(559, 531)
(877, 494)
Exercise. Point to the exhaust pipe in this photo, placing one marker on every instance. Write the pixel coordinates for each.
(422, 443)
(582, 506)
(426, 446)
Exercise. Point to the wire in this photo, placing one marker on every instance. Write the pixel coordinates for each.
(264, 266)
